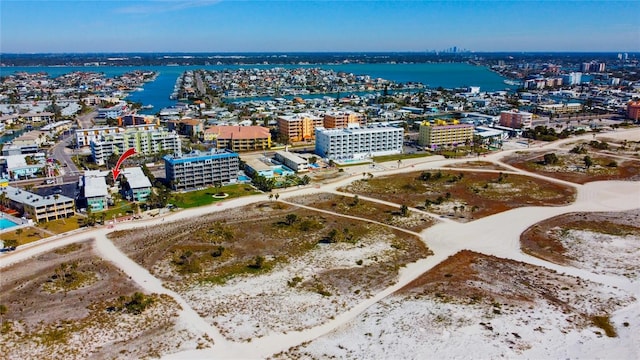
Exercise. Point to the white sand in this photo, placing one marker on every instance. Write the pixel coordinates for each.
(405, 329)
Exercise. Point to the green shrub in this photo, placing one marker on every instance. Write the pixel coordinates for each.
(295, 281)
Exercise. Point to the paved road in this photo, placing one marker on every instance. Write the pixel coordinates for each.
(61, 153)
(494, 235)
(86, 121)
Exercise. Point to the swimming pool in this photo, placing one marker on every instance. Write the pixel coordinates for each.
(282, 170)
(5, 224)
(244, 178)
(315, 166)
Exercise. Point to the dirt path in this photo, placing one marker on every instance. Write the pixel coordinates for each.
(188, 317)
(495, 235)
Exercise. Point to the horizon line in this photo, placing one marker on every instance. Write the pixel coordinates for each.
(439, 52)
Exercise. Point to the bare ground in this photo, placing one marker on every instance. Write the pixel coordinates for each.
(301, 262)
(571, 167)
(65, 304)
(606, 243)
(478, 304)
(464, 195)
(348, 205)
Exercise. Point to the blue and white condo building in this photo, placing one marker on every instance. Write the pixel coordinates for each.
(199, 169)
(358, 143)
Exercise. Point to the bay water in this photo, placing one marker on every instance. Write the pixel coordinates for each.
(156, 93)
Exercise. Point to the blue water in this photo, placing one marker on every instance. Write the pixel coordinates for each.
(156, 93)
(244, 178)
(5, 138)
(281, 170)
(6, 224)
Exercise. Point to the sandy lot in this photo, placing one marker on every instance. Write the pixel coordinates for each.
(392, 293)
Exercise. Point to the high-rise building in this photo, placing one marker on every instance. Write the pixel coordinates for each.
(516, 119)
(572, 78)
(147, 140)
(443, 134)
(593, 67)
(342, 119)
(298, 127)
(199, 169)
(633, 110)
(359, 143)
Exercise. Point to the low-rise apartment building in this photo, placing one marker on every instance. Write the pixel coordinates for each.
(112, 112)
(138, 119)
(292, 161)
(359, 143)
(560, 109)
(260, 167)
(95, 189)
(36, 207)
(200, 169)
(138, 186)
(298, 127)
(239, 138)
(443, 134)
(23, 165)
(188, 127)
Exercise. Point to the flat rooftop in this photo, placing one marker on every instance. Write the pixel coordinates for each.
(136, 178)
(25, 197)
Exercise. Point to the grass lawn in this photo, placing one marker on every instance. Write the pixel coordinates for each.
(396, 157)
(61, 225)
(23, 235)
(205, 196)
(119, 209)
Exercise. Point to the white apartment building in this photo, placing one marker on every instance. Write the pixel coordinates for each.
(292, 161)
(359, 142)
(145, 139)
(85, 136)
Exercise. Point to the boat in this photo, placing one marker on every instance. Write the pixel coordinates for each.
(512, 82)
(148, 106)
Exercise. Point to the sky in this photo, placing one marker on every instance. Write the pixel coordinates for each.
(316, 26)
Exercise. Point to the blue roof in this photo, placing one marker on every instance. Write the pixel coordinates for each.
(199, 156)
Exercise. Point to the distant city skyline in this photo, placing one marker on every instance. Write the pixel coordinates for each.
(317, 26)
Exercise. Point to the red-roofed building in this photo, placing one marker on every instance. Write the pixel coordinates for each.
(239, 138)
